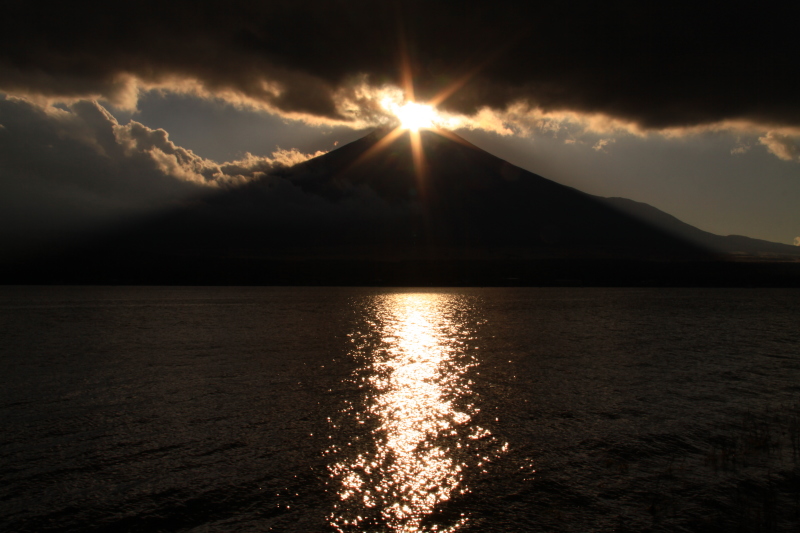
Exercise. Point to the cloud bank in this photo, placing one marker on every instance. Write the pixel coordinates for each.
(651, 66)
(67, 168)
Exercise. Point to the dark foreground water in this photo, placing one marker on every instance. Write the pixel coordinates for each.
(319, 409)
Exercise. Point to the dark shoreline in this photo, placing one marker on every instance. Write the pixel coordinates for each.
(545, 272)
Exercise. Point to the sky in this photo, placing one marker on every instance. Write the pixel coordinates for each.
(110, 113)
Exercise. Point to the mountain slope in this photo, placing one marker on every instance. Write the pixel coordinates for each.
(730, 244)
(478, 204)
(367, 214)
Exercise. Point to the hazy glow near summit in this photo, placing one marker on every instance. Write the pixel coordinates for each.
(414, 116)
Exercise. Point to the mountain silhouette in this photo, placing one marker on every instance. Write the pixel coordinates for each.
(374, 212)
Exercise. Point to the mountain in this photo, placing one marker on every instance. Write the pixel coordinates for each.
(370, 213)
(730, 244)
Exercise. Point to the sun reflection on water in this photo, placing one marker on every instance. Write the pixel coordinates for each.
(417, 415)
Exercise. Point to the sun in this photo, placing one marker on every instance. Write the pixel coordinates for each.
(414, 116)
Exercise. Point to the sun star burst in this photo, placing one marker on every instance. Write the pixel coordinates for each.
(414, 116)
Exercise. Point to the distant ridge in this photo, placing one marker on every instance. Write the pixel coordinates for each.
(366, 214)
(730, 244)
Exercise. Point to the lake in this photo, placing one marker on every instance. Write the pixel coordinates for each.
(399, 410)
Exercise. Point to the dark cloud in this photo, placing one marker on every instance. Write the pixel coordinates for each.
(62, 171)
(657, 64)
(65, 170)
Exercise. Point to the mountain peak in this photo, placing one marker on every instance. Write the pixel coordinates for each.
(385, 202)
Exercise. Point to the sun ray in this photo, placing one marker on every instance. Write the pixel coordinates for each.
(452, 136)
(406, 74)
(452, 88)
(414, 116)
(382, 144)
(418, 158)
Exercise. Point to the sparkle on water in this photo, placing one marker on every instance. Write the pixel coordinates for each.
(419, 409)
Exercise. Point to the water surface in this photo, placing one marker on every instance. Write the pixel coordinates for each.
(323, 409)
